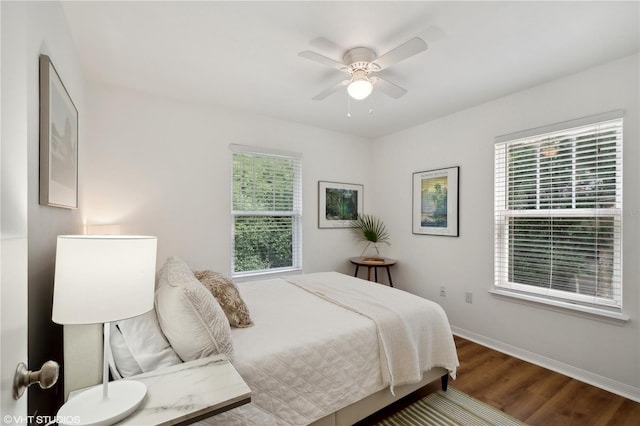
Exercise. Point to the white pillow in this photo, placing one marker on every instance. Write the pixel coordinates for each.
(189, 315)
(138, 345)
(121, 362)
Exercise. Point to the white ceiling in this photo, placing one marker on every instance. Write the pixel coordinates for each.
(244, 55)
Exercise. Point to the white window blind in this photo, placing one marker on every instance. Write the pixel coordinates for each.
(266, 210)
(558, 214)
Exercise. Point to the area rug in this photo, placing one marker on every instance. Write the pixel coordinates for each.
(450, 408)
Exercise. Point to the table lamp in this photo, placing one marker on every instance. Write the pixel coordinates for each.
(100, 279)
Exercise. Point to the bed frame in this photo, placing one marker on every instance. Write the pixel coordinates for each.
(83, 368)
(377, 401)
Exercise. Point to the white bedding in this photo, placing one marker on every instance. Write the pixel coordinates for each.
(413, 333)
(306, 357)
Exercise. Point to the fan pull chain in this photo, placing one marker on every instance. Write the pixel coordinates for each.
(349, 105)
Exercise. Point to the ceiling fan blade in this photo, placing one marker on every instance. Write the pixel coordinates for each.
(402, 52)
(328, 46)
(320, 96)
(316, 57)
(388, 88)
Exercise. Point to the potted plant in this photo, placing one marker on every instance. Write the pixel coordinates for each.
(371, 230)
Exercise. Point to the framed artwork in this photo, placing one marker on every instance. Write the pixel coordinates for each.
(435, 202)
(58, 140)
(338, 204)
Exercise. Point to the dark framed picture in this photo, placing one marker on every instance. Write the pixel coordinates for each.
(435, 202)
(338, 204)
(58, 140)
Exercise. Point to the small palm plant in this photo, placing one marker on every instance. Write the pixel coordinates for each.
(370, 229)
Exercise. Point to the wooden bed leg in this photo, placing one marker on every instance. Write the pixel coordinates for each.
(444, 380)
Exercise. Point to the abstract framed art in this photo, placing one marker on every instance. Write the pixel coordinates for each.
(338, 204)
(435, 202)
(58, 140)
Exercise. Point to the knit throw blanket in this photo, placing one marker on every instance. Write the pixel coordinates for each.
(413, 333)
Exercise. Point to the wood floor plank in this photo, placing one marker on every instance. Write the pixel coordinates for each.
(628, 413)
(575, 404)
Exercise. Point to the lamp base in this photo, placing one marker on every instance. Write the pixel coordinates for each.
(89, 408)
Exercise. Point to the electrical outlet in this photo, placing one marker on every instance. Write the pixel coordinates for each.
(468, 297)
(443, 291)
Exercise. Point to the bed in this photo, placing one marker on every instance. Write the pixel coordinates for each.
(321, 349)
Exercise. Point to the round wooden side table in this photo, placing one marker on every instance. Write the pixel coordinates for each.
(373, 263)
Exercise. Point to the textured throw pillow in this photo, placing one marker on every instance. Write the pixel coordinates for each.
(189, 315)
(228, 296)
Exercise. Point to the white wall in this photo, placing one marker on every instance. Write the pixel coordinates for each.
(163, 168)
(599, 352)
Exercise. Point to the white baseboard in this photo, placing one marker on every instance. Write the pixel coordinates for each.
(601, 382)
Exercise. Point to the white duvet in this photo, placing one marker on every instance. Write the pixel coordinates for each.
(306, 357)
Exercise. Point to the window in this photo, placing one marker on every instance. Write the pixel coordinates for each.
(558, 213)
(266, 210)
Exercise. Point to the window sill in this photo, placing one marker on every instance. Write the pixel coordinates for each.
(252, 276)
(565, 307)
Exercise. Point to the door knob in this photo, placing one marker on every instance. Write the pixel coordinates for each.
(47, 376)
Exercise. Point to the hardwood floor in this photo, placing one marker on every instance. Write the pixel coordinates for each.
(532, 394)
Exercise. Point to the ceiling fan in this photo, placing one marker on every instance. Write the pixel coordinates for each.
(360, 63)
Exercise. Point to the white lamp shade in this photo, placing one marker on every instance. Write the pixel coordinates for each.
(103, 278)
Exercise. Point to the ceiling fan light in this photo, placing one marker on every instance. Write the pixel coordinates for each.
(360, 89)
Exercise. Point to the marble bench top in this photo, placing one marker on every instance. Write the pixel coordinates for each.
(188, 392)
(185, 393)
